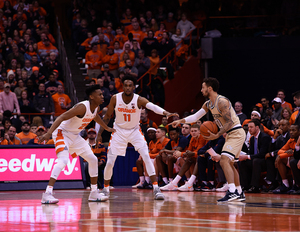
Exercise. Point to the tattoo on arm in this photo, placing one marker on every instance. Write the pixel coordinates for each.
(224, 108)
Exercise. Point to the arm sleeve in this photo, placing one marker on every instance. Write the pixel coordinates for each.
(194, 117)
(155, 108)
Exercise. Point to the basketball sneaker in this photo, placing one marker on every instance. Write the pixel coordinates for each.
(208, 188)
(229, 196)
(169, 187)
(48, 198)
(137, 185)
(242, 197)
(223, 189)
(158, 194)
(186, 188)
(145, 185)
(97, 196)
(105, 192)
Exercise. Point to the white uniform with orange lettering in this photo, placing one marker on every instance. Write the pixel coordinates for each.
(67, 140)
(127, 126)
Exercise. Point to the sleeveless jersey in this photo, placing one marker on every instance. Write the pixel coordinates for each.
(218, 117)
(127, 115)
(75, 125)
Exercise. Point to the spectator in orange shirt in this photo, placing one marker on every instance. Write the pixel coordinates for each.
(46, 48)
(159, 34)
(109, 35)
(138, 35)
(154, 60)
(112, 60)
(118, 82)
(94, 61)
(61, 101)
(281, 95)
(129, 52)
(38, 8)
(129, 27)
(11, 136)
(120, 37)
(25, 135)
(86, 45)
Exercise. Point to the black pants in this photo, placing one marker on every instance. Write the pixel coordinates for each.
(203, 163)
(250, 171)
(295, 170)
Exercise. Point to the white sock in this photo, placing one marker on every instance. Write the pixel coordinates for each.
(142, 179)
(94, 187)
(165, 179)
(204, 182)
(148, 179)
(155, 186)
(49, 189)
(107, 188)
(212, 182)
(286, 182)
(232, 187)
(239, 189)
(176, 180)
(192, 180)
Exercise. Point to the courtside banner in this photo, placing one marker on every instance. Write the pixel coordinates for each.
(34, 164)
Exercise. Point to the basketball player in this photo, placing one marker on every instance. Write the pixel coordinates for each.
(65, 133)
(127, 106)
(228, 122)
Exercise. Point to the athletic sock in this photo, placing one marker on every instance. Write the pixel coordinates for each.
(204, 182)
(192, 180)
(106, 187)
(165, 179)
(286, 182)
(155, 185)
(176, 180)
(94, 187)
(49, 189)
(232, 188)
(142, 179)
(239, 189)
(148, 179)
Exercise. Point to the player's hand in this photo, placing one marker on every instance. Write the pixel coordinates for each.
(168, 114)
(243, 157)
(211, 136)
(267, 156)
(290, 152)
(175, 123)
(44, 137)
(177, 154)
(109, 129)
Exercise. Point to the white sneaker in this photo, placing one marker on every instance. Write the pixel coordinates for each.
(169, 187)
(136, 186)
(97, 196)
(48, 198)
(223, 189)
(158, 194)
(186, 188)
(105, 192)
(111, 187)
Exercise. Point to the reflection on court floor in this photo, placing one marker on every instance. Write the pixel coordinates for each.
(135, 210)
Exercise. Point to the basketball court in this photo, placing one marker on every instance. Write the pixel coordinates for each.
(135, 210)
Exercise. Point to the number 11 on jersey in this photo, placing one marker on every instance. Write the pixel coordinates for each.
(126, 117)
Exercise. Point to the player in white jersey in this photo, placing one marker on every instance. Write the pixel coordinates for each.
(127, 107)
(65, 132)
(228, 122)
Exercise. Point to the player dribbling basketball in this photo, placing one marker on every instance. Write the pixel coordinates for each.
(228, 122)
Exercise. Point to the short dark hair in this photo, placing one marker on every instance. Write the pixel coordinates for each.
(281, 90)
(92, 89)
(173, 129)
(296, 94)
(256, 122)
(93, 44)
(162, 129)
(212, 82)
(296, 125)
(130, 78)
(195, 126)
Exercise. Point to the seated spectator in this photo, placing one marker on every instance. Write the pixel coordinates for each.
(130, 41)
(178, 37)
(276, 116)
(146, 123)
(285, 156)
(27, 69)
(30, 52)
(41, 130)
(52, 85)
(286, 113)
(36, 76)
(129, 69)
(127, 50)
(154, 61)
(33, 128)
(99, 36)
(281, 95)
(120, 37)
(43, 103)
(135, 48)
(8, 100)
(295, 118)
(20, 87)
(46, 48)
(109, 34)
(185, 25)
(189, 158)
(15, 55)
(170, 23)
(149, 43)
(11, 136)
(129, 27)
(167, 157)
(158, 33)
(122, 60)
(35, 61)
(238, 107)
(26, 135)
(112, 61)
(62, 102)
(117, 49)
(86, 45)
(100, 152)
(106, 76)
(112, 89)
(11, 80)
(253, 163)
(94, 61)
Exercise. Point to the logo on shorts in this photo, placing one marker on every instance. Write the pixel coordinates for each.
(229, 147)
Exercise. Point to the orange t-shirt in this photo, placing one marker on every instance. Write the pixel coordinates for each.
(138, 35)
(157, 147)
(196, 144)
(153, 62)
(14, 142)
(131, 56)
(121, 39)
(93, 57)
(59, 99)
(112, 61)
(290, 144)
(25, 138)
(118, 84)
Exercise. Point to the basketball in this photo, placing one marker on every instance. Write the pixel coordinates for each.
(208, 126)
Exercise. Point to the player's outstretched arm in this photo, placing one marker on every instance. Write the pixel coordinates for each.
(77, 110)
(192, 118)
(107, 116)
(102, 123)
(155, 108)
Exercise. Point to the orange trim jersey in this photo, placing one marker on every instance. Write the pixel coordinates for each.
(294, 117)
(25, 138)
(157, 147)
(290, 144)
(75, 125)
(127, 115)
(196, 144)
